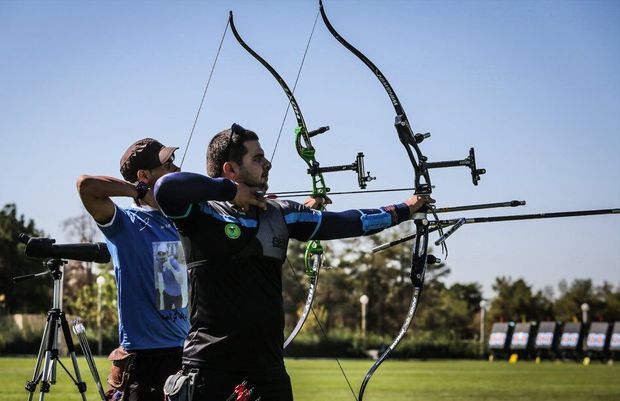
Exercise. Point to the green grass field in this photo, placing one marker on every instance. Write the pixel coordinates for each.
(315, 380)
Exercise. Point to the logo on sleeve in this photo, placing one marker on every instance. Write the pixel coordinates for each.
(232, 231)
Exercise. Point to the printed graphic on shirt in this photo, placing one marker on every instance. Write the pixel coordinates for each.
(170, 274)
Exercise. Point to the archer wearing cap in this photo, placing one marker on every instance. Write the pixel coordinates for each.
(150, 328)
(145, 154)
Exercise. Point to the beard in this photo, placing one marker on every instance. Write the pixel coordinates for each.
(253, 181)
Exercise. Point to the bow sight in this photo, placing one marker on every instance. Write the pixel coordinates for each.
(357, 165)
(422, 165)
(469, 161)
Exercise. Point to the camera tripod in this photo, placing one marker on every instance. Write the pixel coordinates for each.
(48, 357)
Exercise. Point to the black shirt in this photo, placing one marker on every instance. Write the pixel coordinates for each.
(235, 261)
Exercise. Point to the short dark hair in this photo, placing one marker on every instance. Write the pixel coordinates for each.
(227, 145)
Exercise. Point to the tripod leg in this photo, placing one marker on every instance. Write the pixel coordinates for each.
(78, 328)
(81, 385)
(31, 385)
(51, 353)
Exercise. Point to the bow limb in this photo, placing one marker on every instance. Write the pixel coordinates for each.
(403, 128)
(418, 269)
(313, 255)
(422, 186)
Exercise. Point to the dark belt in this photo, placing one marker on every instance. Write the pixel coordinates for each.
(156, 351)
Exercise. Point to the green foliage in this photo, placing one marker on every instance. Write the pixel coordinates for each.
(85, 306)
(446, 314)
(27, 340)
(516, 301)
(30, 296)
(343, 344)
(610, 303)
(603, 300)
(294, 283)
(446, 323)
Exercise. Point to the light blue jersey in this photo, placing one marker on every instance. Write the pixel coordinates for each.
(148, 263)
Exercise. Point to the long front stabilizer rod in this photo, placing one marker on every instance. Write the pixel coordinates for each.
(551, 215)
(436, 225)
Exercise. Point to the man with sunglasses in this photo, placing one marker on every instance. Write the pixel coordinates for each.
(150, 271)
(236, 241)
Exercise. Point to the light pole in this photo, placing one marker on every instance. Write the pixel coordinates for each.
(364, 302)
(584, 312)
(483, 309)
(100, 282)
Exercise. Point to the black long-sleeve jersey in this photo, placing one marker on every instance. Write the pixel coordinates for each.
(235, 261)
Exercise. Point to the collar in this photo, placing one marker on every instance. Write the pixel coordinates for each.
(147, 208)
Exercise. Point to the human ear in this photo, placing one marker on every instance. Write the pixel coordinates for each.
(229, 170)
(143, 176)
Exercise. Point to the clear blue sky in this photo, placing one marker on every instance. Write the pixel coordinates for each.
(534, 86)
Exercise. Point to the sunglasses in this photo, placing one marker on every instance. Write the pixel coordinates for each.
(167, 165)
(234, 129)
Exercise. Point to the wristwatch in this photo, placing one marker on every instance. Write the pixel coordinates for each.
(142, 189)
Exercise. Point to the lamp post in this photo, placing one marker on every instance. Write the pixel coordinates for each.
(364, 302)
(483, 308)
(584, 312)
(100, 282)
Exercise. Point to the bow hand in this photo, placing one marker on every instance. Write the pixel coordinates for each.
(419, 203)
(317, 202)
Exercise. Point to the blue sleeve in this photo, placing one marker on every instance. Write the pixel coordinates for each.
(116, 224)
(306, 224)
(176, 192)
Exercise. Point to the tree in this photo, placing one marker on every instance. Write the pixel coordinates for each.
(78, 274)
(294, 283)
(568, 304)
(610, 298)
(604, 300)
(516, 301)
(383, 277)
(81, 228)
(35, 295)
(465, 320)
(84, 304)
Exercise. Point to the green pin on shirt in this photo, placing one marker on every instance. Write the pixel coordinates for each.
(232, 231)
